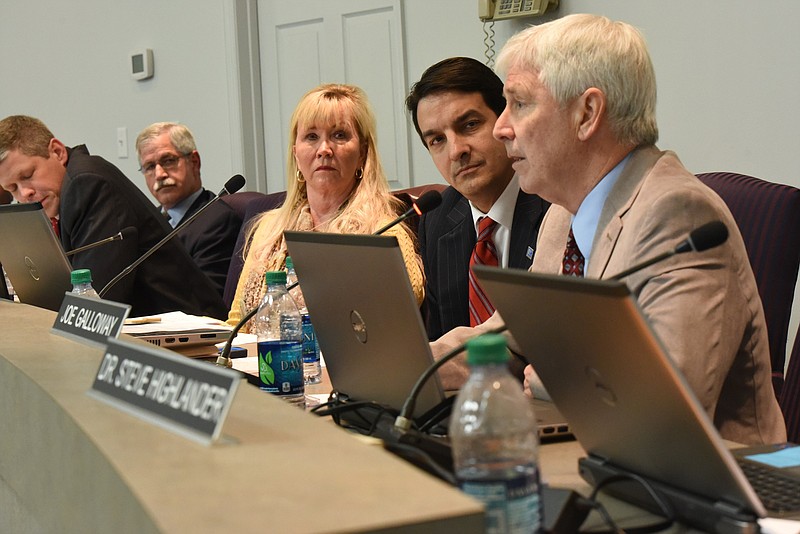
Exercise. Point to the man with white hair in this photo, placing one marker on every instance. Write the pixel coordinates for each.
(580, 127)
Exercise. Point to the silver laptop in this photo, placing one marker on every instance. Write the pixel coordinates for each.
(626, 402)
(32, 256)
(365, 316)
(178, 331)
(368, 322)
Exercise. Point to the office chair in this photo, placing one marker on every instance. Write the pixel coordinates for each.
(247, 204)
(790, 398)
(768, 216)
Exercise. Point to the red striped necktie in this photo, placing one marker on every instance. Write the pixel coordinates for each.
(484, 253)
(56, 229)
(572, 265)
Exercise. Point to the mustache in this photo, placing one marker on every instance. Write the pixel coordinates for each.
(160, 184)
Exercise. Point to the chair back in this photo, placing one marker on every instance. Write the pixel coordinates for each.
(768, 216)
(247, 204)
(790, 397)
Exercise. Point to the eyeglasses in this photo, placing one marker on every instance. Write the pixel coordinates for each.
(168, 163)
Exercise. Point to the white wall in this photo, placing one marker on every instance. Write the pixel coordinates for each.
(728, 74)
(67, 63)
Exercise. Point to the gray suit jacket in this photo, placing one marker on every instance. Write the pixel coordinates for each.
(704, 307)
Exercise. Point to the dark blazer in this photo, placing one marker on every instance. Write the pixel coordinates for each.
(211, 237)
(97, 201)
(447, 237)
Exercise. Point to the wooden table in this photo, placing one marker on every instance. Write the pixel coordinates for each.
(71, 463)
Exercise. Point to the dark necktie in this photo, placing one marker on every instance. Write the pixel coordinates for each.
(484, 253)
(56, 229)
(572, 265)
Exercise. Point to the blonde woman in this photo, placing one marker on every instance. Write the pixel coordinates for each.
(336, 184)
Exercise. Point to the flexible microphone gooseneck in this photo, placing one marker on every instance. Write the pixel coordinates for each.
(231, 186)
(403, 421)
(125, 233)
(426, 202)
(708, 236)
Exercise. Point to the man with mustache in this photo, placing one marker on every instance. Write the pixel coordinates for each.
(170, 163)
(454, 107)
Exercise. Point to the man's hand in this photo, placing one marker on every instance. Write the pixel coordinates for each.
(529, 377)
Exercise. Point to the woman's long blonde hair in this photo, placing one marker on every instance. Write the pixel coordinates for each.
(369, 205)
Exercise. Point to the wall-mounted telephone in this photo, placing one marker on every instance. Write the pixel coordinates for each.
(508, 9)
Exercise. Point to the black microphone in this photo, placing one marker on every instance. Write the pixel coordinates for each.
(708, 236)
(426, 202)
(125, 233)
(231, 186)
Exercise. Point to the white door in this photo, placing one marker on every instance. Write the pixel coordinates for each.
(304, 43)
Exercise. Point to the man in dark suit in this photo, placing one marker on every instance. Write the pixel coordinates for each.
(454, 107)
(170, 162)
(89, 199)
(5, 198)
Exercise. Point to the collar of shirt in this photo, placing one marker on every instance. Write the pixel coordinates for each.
(502, 212)
(178, 211)
(584, 223)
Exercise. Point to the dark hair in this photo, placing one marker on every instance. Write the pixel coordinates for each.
(460, 74)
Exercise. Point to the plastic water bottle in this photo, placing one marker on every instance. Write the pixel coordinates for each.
(494, 441)
(278, 328)
(82, 283)
(312, 369)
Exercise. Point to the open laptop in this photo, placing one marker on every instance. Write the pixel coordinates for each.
(626, 402)
(368, 322)
(32, 256)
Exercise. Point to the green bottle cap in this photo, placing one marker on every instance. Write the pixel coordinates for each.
(275, 277)
(81, 276)
(485, 349)
(289, 263)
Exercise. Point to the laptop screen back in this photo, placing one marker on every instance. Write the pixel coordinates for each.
(611, 378)
(32, 256)
(365, 316)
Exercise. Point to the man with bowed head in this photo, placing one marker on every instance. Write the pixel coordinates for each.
(580, 127)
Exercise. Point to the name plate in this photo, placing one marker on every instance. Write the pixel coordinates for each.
(90, 319)
(188, 397)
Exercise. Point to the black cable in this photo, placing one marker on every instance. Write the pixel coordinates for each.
(664, 506)
(224, 358)
(407, 412)
(422, 459)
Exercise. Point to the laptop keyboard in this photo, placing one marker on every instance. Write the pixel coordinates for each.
(778, 492)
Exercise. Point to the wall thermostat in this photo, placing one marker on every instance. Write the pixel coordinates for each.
(142, 64)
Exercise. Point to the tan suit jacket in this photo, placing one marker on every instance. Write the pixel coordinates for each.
(704, 307)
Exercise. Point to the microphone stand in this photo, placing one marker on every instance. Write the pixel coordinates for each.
(640, 266)
(116, 237)
(224, 359)
(403, 421)
(125, 272)
(408, 213)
